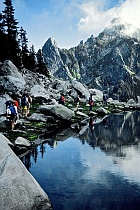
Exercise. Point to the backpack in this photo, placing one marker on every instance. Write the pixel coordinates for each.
(8, 103)
(23, 101)
(16, 103)
(12, 109)
(77, 99)
(90, 102)
(62, 98)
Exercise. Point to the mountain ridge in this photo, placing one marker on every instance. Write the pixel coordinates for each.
(110, 61)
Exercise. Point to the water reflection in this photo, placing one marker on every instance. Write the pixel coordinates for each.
(114, 132)
(96, 170)
(91, 123)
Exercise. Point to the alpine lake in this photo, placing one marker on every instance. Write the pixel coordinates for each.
(97, 170)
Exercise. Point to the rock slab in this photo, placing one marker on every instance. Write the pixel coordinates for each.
(18, 189)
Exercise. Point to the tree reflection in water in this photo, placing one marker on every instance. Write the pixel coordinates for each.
(97, 169)
(110, 135)
(114, 132)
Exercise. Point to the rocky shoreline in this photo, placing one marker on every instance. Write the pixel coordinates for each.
(47, 117)
(19, 190)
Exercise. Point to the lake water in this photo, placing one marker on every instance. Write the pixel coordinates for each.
(99, 170)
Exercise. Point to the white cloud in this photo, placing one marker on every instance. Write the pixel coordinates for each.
(129, 12)
(95, 19)
(69, 22)
(126, 167)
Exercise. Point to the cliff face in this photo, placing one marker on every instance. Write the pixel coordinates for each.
(108, 62)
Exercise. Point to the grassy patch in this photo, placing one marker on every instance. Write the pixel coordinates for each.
(33, 129)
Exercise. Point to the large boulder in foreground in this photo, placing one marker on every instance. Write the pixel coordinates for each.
(18, 189)
(9, 69)
(81, 89)
(59, 111)
(39, 91)
(11, 80)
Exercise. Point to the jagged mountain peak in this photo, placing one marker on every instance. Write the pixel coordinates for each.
(120, 28)
(90, 41)
(51, 42)
(110, 61)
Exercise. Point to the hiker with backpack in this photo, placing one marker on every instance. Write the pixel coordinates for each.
(90, 102)
(24, 102)
(77, 101)
(105, 98)
(16, 104)
(29, 102)
(11, 113)
(62, 99)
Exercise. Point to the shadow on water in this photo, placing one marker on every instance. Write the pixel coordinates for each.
(97, 169)
(62, 135)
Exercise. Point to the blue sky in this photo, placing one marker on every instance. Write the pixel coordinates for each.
(70, 21)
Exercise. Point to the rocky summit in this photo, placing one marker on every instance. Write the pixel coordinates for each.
(109, 62)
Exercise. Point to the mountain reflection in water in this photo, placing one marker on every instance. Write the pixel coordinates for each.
(96, 170)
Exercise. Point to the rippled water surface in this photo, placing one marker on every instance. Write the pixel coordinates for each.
(98, 170)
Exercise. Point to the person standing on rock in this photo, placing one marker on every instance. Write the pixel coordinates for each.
(62, 99)
(16, 104)
(29, 98)
(77, 101)
(90, 102)
(105, 98)
(24, 102)
(11, 114)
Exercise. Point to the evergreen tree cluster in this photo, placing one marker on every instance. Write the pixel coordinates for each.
(14, 43)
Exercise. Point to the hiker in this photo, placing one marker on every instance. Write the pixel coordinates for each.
(16, 104)
(62, 99)
(11, 113)
(29, 98)
(7, 103)
(105, 98)
(19, 103)
(90, 102)
(24, 101)
(77, 100)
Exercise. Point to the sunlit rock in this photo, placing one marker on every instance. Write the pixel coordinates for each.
(19, 190)
(59, 111)
(20, 141)
(102, 111)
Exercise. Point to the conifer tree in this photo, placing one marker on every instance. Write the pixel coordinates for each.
(3, 50)
(41, 65)
(11, 31)
(9, 20)
(23, 42)
(1, 23)
(32, 59)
